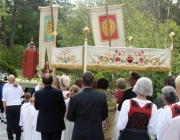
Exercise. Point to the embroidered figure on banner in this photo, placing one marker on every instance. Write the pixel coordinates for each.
(48, 28)
(104, 27)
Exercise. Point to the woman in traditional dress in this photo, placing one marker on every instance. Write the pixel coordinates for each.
(169, 97)
(138, 115)
(67, 133)
(168, 113)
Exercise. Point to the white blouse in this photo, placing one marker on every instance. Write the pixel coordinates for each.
(159, 111)
(164, 118)
(123, 116)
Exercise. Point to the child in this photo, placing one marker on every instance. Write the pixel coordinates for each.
(29, 115)
(67, 133)
(35, 134)
(25, 102)
(26, 98)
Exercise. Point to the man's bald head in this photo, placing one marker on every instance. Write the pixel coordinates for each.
(11, 79)
(47, 79)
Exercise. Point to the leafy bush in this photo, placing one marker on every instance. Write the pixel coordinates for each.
(13, 56)
(10, 69)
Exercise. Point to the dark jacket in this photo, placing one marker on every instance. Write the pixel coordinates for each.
(88, 109)
(128, 94)
(50, 103)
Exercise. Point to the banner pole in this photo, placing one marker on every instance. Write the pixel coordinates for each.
(85, 30)
(54, 34)
(172, 35)
(109, 38)
(108, 27)
(52, 16)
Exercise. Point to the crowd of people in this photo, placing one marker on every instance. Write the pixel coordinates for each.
(77, 110)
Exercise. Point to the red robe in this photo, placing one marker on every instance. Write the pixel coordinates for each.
(30, 62)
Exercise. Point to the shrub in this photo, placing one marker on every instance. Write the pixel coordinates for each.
(10, 69)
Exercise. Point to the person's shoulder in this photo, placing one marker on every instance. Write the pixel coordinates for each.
(126, 102)
(25, 104)
(7, 87)
(128, 90)
(166, 110)
(175, 119)
(19, 87)
(100, 94)
(56, 90)
(38, 92)
(52, 90)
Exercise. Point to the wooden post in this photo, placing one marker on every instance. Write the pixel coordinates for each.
(107, 16)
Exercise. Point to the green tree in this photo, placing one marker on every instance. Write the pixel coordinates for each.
(70, 25)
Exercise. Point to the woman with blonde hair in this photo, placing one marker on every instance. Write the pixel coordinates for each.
(64, 84)
(67, 133)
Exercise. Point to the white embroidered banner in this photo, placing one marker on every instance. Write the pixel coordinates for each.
(45, 32)
(67, 57)
(100, 26)
(129, 58)
(100, 57)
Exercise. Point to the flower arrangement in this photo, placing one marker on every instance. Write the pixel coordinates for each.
(22, 79)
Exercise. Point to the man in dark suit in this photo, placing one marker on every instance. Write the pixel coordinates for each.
(128, 94)
(50, 103)
(88, 109)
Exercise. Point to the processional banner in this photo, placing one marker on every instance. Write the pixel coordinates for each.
(67, 57)
(103, 57)
(45, 32)
(100, 26)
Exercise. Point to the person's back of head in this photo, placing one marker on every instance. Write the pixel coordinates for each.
(47, 79)
(121, 83)
(143, 86)
(102, 83)
(73, 90)
(170, 81)
(88, 79)
(11, 79)
(78, 82)
(136, 75)
(64, 82)
(27, 96)
(169, 93)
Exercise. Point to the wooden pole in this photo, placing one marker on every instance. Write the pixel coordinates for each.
(52, 16)
(109, 38)
(107, 16)
(54, 38)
